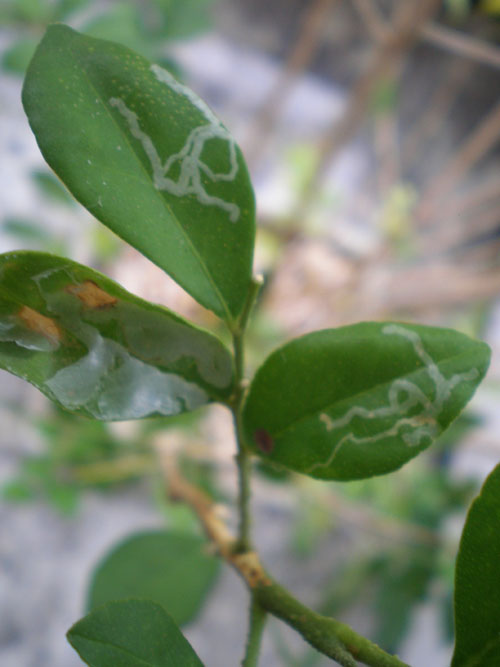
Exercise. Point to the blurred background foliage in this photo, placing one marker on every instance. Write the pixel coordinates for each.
(385, 206)
(142, 25)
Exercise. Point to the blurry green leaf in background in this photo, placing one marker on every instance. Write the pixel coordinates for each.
(169, 567)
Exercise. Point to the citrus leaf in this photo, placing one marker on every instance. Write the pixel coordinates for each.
(361, 400)
(477, 581)
(147, 158)
(131, 633)
(97, 350)
(168, 567)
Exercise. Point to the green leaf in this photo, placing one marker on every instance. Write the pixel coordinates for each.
(51, 186)
(182, 19)
(147, 158)
(97, 350)
(17, 57)
(27, 230)
(26, 11)
(121, 22)
(168, 567)
(361, 400)
(131, 633)
(477, 582)
(17, 490)
(66, 8)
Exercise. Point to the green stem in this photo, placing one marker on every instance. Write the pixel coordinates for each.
(258, 617)
(256, 283)
(243, 543)
(329, 636)
(332, 638)
(243, 458)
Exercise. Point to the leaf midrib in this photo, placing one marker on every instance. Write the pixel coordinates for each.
(115, 647)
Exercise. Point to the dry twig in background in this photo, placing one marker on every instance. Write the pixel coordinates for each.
(434, 114)
(389, 52)
(300, 56)
(475, 146)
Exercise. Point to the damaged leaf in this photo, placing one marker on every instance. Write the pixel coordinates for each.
(361, 400)
(99, 351)
(147, 158)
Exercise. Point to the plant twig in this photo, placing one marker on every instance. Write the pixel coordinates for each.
(481, 140)
(114, 470)
(242, 457)
(386, 146)
(258, 617)
(435, 113)
(329, 636)
(386, 58)
(374, 21)
(464, 45)
(299, 58)
(179, 489)
(238, 332)
(332, 638)
(476, 197)
(244, 465)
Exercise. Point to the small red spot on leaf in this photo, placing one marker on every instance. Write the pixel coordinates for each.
(263, 440)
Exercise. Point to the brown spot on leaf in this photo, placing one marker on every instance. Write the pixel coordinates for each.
(263, 440)
(92, 295)
(40, 324)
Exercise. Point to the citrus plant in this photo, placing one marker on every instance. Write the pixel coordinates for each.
(152, 162)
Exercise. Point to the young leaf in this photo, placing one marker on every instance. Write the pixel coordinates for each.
(171, 568)
(99, 351)
(361, 400)
(131, 633)
(149, 159)
(477, 581)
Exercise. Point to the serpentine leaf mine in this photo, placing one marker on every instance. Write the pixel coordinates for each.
(403, 396)
(188, 160)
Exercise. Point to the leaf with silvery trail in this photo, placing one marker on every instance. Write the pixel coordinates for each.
(131, 633)
(360, 400)
(99, 351)
(170, 567)
(149, 159)
(477, 581)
